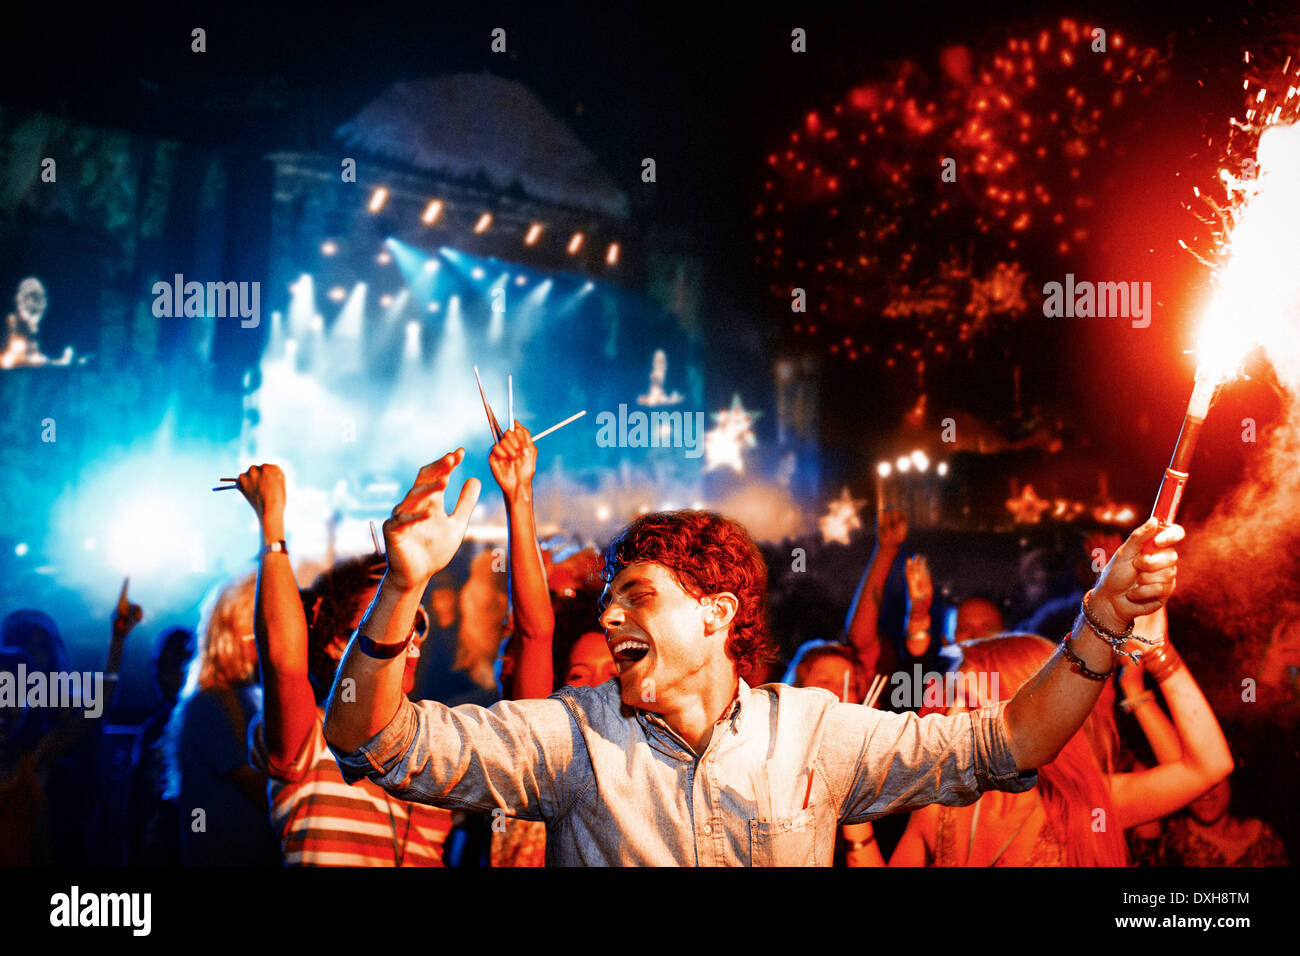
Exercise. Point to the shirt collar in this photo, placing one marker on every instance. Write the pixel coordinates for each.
(734, 712)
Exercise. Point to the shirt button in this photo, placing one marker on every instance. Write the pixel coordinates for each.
(785, 824)
(707, 829)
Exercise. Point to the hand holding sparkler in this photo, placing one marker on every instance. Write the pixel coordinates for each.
(420, 537)
(1140, 577)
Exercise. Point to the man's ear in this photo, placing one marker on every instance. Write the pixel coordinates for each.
(721, 611)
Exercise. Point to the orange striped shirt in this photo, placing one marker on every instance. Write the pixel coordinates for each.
(323, 821)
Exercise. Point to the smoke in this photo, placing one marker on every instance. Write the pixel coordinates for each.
(1240, 563)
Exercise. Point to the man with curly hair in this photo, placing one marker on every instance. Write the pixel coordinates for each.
(679, 761)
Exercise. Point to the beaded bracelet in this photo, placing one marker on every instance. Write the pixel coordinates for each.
(1079, 664)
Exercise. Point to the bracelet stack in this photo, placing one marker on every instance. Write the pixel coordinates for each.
(1163, 662)
(1115, 639)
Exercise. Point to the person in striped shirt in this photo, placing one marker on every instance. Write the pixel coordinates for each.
(321, 820)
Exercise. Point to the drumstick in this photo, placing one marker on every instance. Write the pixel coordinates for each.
(492, 419)
(845, 696)
(875, 694)
(572, 418)
(510, 407)
(375, 538)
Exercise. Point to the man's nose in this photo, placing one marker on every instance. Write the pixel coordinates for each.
(612, 617)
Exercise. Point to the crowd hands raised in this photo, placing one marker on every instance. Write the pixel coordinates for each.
(284, 681)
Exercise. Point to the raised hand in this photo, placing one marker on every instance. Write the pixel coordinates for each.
(891, 528)
(514, 461)
(421, 537)
(126, 615)
(920, 586)
(1140, 577)
(263, 487)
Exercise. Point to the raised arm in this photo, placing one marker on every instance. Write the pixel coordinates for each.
(1052, 705)
(864, 615)
(1194, 760)
(279, 624)
(125, 617)
(920, 594)
(514, 462)
(1140, 702)
(421, 539)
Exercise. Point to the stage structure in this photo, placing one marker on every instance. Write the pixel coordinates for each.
(459, 223)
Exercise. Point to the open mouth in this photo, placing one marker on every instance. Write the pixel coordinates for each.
(629, 652)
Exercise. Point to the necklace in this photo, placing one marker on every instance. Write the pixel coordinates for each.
(399, 857)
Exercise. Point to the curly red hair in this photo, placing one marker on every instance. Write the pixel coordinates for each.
(707, 554)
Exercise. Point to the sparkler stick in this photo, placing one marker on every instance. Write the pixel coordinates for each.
(1175, 479)
(510, 407)
(572, 418)
(375, 538)
(492, 419)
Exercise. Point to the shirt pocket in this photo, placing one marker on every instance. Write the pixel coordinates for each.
(789, 841)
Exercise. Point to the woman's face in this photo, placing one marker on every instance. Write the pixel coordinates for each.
(1214, 804)
(590, 663)
(828, 672)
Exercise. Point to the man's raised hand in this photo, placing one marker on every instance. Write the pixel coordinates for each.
(514, 461)
(421, 537)
(1140, 576)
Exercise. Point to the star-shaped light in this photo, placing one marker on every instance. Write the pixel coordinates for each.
(731, 434)
(1028, 508)
(841, 517)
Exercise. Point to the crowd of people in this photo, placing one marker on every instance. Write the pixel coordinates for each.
(632, 707)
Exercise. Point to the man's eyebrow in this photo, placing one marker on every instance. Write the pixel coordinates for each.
(633, 582)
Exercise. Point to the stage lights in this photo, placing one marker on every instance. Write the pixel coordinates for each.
(329, 247)
(534, 233)
(575, 243)
(378, 199)
(431, 212)
(611, 257)
(884, 469)
(338, 294)
(484, 223)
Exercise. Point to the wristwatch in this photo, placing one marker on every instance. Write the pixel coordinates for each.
(274, 546)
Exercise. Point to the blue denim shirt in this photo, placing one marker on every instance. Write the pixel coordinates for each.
(617, 786)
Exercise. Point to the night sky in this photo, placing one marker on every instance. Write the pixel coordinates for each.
(709, 95)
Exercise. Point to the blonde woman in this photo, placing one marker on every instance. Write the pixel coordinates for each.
(220, 799)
